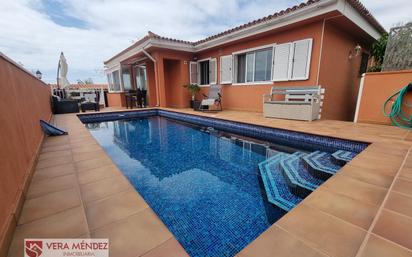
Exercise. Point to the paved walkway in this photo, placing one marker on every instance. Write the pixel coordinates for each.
(364, 211)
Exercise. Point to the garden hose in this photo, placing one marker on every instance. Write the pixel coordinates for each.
(397, 116)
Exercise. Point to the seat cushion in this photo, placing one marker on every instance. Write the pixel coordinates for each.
(208, 101)
(289, 102)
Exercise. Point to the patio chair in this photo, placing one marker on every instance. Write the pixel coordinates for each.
(61, 106)
(213, 99)
(91, 102)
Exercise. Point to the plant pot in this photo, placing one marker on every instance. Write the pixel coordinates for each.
(194, 104)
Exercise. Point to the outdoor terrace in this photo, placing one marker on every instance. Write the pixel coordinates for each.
(365, 210)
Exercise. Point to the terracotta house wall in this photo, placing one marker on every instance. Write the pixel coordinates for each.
(249, 97)
(377, 87)
(170, 83)
(116, 99)
(339, 74)
(173, 88)
(24, 100)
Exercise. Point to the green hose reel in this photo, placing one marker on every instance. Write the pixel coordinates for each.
(397, 116)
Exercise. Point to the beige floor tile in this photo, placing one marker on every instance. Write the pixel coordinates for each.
(346, 208)
(54, 148)
(406, 173)
(103, 188)
(277, 242)
(399, 149)
(55, 171)
(400, 203)
(143, 230)
(388, 164)
(83, 137)
(356, 189)
(49, 155)
(49, 204)
(170, 248)
(67, 224)
(85, 149)
(367, 175)
(403, 186)
(50, 162)
(321, 231)
(96, 174)
(395, 227)
(114, 208)
(53, 141)
(379, 247)
(88, 155)
(45, 186)
(85, 165)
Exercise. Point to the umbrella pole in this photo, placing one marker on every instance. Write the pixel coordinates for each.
(57, 76)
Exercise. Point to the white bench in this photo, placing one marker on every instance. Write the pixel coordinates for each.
(296, 103)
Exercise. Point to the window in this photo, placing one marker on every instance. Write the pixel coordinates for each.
(127, 85)
(254, 66)
(292, 60)
(141, 80)
(113, 79)
(241, 68)
(203, 72)
(263, 65)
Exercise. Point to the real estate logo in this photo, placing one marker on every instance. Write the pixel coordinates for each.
(33, 248)
(56, 247)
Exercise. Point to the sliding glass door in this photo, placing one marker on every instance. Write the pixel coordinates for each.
(141, 80)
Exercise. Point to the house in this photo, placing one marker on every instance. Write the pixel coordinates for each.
(79, 91)
(83, 86)
(320, 42)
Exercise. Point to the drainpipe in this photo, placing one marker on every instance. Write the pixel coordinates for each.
(156, 74)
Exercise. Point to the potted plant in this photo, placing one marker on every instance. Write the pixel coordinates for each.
(193, 89)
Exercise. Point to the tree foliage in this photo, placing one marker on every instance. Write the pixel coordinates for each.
(378, 53)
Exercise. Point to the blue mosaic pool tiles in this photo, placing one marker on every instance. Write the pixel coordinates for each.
(342, 157)
(298, 178)
(281, 136)
(320, 165)
(205, 188)
(109, 116)
(275, 185)
(299, 140)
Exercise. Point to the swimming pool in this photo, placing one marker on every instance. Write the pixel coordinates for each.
(203, 183)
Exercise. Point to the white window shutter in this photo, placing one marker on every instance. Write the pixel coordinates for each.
(281, 62)
(213, 71)
(226, 63)
(198, 73)
(301, 59)
(193, 73)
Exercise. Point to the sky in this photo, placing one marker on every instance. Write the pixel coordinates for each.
(34, 32)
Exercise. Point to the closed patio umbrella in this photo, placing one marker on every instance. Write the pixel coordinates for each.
(62, 69)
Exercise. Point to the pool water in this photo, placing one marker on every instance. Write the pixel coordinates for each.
(203, 184)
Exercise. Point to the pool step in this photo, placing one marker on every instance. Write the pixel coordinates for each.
(298, 178)
(320, 165)
(342, 157)
(277, 190)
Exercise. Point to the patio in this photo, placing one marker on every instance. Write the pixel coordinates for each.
(365, 210)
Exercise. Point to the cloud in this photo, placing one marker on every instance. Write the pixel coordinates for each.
(34, 32)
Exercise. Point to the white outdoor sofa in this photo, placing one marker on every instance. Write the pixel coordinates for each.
(296, 103)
